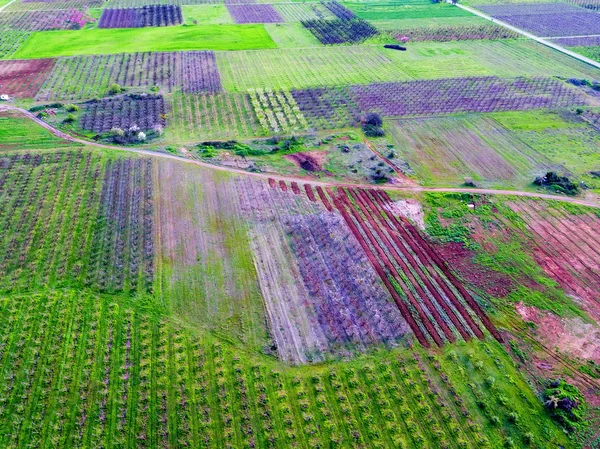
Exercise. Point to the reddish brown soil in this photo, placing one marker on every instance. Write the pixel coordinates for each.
(570, 335)
(567, 247)
(23, 78)
(310, 160)
(461, 260)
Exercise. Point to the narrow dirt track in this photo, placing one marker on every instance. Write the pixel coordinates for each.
(416, 189)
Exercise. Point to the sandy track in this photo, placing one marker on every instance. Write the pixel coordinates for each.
(583, 202)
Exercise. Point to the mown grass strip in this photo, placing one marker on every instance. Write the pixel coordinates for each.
(119, 40)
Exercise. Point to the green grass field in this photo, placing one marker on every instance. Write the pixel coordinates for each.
(406, 12)
(109, 41)
(19, 133)
(205, 14)
(344, 65)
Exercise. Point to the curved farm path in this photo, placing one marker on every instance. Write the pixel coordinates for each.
(416, 189)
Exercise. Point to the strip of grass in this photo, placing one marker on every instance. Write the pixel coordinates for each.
(21, 133)
(108, 41)
(206, 14)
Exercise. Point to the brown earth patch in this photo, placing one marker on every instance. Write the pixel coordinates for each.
(572, 336)
(310, 160)
(23, 78)
(460, 259)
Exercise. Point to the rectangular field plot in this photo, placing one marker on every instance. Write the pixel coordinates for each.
(251, 13)
(547, 20)
(23, 78)
(459, 33)
(68, 19)
(501, 149)
(112, 41)
(208, 275)
(78, 218)
(330, 32)
(83, 77)
(405, 11)
(321, 294)
(485, 94)
(145, 16)
(204, 117)
(446, 150)
(339, 66)
(143, 112)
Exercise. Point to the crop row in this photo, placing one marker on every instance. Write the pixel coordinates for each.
(431, 299)
(483, 94)
(551, 20)
(224, 115)
(594, 5)
(43, 20)
(145, 16)
(82, 77)
(340, 31)
(10, 41)
(454, 33)
(93, 372)
(24, 78)
(339, 10)
(339, 305)
(327, 108)
(250, 13)
(55, 232)
(122, 257)
(142, 112)
(277, 111)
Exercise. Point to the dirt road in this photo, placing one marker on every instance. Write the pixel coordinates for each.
(62, 135)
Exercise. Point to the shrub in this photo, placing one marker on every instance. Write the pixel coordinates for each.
(72, 108)
(566, 405)
(372, 118)
(558, 183)
(373, 131)
(70, 118)
(115, 89)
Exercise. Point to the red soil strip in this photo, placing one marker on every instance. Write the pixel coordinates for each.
(379, 269)
(418, 266)
(295, 188)
(23, 78)
(428, 264)
(272, 183)
(407, 271)
(309, 193)
(442, 265)
(324, 198)
(283, 185)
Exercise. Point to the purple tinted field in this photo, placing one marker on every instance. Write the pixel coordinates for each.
(547, 20)
(481, 94)
(589, 41)
(254, 14)
(146, 16)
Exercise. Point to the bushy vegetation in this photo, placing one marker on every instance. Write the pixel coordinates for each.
(557, 183)
(566, 404)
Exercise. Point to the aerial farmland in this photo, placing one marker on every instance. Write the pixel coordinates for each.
(241, 224)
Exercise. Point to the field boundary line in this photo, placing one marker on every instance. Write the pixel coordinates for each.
(529, 35)
(266, 176)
